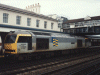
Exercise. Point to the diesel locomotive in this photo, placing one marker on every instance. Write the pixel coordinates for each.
(25, 44)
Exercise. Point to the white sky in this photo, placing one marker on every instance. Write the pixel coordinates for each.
(72, 9)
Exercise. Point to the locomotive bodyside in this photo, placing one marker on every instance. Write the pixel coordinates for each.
(29, 42)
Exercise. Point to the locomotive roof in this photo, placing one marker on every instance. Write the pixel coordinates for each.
(19, 32)
(52, 34)
(45, 34)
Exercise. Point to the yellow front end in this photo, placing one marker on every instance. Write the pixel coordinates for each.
(10, 45)
(10, 48)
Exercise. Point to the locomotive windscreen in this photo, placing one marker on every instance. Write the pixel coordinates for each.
(10, 39)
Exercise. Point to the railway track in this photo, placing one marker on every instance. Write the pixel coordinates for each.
(94, 69)
(84, 68)
(51, 67)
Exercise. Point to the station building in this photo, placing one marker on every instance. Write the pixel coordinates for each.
(87, 27)
(61, 20)
(12, 18)
(20, 17)
(34, 8)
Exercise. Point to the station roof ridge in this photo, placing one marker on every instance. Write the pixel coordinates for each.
(23, 11)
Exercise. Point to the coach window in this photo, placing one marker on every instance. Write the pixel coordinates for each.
(5, 17)
(28, 21)
(37, 23)
(18, 20)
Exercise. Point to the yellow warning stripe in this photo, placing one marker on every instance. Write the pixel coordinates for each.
(56, 45)
(24, 35)
(54, 41)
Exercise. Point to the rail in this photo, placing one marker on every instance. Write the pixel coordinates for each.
(52, 67)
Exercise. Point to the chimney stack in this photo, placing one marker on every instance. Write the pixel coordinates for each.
(34, 8)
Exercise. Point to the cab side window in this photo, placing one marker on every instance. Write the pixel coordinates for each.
(23, 39)
(26, 39)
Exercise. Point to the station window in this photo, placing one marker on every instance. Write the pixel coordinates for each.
(37, 23)
(59, 25)
(5, 17)
(28, 21)
(18, 20)
(52, 25)
(45, 24)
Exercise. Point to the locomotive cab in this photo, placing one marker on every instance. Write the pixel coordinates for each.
(10, 46)
(17, 43)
